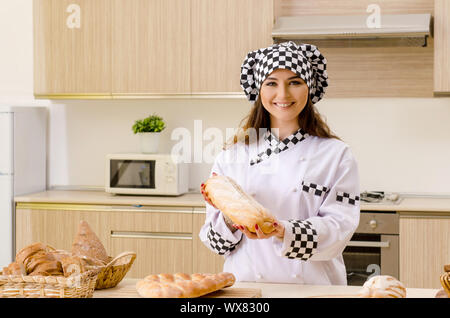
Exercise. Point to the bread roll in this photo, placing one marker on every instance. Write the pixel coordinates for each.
(48, 268)
(445, 282)
(182, 285)
(37, 259)
(30, 250)
(240, 207)
(87, 243)
(41, 259)
(383, 286)
(14, 269)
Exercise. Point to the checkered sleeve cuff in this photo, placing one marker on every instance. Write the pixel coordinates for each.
(218, 244)
(300, 240)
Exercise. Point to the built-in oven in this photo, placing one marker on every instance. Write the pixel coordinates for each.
(374, 247)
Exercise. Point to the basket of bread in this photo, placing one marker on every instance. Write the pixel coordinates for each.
(40, 270)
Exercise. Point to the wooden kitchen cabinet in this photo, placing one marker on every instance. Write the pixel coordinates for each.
(441, 47)
(72, 48)
(223, 32)
(368, 71)
(151, 47)
(145, 48)
(424, 249)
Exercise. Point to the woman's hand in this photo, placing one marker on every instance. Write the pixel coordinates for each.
(205, 196)
(259, 235)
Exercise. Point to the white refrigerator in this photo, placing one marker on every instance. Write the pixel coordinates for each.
(23, 153)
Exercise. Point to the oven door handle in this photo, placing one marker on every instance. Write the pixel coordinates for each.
(368, 244)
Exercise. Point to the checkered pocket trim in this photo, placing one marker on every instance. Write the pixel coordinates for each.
(218, 244)
(314, 188)
(305, 241)
(348, 198)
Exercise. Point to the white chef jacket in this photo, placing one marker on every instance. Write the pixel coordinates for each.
(308, 183)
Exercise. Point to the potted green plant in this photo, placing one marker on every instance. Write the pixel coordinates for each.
(149, 130)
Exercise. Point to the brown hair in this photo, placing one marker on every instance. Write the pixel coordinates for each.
(309, 120)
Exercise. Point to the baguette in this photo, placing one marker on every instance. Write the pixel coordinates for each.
(240, 207)
(182, 285)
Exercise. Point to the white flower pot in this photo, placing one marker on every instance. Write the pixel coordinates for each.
(149, 142)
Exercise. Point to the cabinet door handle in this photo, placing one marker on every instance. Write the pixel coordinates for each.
(368, 244)
(152, 235)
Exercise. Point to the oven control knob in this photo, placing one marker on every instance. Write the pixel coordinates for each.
(373, 224)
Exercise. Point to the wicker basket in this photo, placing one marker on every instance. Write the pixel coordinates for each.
(112, 273)
(20, 286)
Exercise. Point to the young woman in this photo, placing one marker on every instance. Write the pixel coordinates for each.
(303, 174)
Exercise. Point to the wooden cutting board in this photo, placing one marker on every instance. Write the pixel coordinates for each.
(231, 292)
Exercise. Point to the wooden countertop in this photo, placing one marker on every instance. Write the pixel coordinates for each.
(126, 289)
(104, 198)
(428, 204)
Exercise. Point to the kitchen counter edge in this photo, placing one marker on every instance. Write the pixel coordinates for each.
(408, 205)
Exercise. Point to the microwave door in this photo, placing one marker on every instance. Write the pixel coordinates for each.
(132, 174)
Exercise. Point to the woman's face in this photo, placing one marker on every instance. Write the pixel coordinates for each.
(284, 95)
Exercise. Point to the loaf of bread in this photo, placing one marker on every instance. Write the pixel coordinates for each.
(14, 269)
(87, 243)
(182, 285)
(240, 207)
(30, 250)
(43, 263)
(382, 286)
(445, 282)
(43, 260)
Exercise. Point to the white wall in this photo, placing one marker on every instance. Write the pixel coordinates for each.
(401, 144)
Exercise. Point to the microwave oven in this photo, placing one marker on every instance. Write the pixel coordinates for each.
(146, 174)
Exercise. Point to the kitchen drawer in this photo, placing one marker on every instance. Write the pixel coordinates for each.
(153, 219)
(156, 252)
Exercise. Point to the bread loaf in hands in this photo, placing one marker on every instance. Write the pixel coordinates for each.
(240, 207)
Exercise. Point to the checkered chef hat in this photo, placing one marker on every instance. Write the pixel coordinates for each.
(305, 60)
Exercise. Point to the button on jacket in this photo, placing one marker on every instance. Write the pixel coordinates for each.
(311, 186)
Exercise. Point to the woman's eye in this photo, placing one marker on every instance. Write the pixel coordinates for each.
(290, 83)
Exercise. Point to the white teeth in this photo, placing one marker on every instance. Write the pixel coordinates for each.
(283, 105)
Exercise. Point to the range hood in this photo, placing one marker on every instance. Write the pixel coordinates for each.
(394, 29)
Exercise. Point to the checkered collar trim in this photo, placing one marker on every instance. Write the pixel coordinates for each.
(275, 146)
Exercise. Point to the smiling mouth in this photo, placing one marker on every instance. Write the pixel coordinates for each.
(284, 105)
